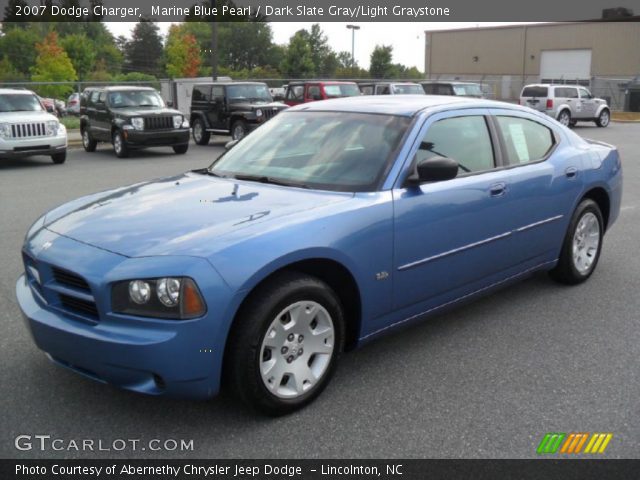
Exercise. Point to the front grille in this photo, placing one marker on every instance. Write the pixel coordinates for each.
(28, 130)
(158, 123)
(269, 113)
(69, 279)
(78, 305)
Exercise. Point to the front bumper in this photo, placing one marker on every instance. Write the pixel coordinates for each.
(160, 138)
(157, 357)
(27, 147)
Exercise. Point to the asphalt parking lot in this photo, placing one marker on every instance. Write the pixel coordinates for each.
(488, 379)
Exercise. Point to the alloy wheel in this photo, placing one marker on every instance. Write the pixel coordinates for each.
(586, 241)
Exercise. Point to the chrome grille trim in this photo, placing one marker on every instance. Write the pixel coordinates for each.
(29, 130)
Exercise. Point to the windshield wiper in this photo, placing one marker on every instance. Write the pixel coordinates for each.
(206, 171)
(270, 180)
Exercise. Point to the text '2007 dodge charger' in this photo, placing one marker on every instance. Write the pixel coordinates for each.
(328, 226)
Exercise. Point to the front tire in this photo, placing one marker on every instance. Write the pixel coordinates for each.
(603, 119)
(181, 149)
(582, 245)
(88, 143)
(285, 344)
(200, 134)
(59, 158)
(564, 117)
(238, 130)
(119, 145)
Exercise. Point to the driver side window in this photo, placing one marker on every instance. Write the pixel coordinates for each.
(464, 139)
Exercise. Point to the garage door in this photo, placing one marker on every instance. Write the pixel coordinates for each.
(557, 65)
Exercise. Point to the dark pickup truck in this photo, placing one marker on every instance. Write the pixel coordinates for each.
(130, 118)
(230, 108)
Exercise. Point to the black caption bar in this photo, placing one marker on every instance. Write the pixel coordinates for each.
(313, 10)
(318, 469)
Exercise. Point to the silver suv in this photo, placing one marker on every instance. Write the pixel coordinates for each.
(568, 104)
(26, 128)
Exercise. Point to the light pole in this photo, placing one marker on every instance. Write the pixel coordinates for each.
(353, 29)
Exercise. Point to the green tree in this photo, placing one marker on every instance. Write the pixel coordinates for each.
(182, 53)
(143, 53)
(244, 45)
(53, 65)
(8, 72)
(381, 62)
(82, 53)
(18, 44)
(10, 19)
(298, 61)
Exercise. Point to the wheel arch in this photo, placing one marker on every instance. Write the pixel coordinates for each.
(198, 116)
(601, 197)
(333, 273)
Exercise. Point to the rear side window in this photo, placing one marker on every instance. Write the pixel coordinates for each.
(566, 92)
(367, 89)
(429, 89)
(295, 92)
(535, 91)
(526, 141)
(201, 93)
(464, 139)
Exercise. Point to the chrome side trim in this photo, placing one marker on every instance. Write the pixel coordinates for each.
(459, 299)
(537, 224)
(451, 252)
(477, 244)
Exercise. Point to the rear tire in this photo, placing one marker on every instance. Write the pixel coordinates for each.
(181, 149)
(564, 117)
(88, 143)
(284, 346)
(604, 118)
(200, 134)
(119, 146)
(59, 158)
(582, 245)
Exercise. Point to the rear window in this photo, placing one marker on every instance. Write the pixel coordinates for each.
(535, 92)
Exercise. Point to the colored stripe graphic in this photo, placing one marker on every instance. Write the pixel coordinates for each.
(574, 443)
(550, 443)
(598, 443)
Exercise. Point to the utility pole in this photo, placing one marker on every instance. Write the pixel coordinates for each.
(353, 29)
(214, 42)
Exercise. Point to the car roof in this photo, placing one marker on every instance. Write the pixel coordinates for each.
(323, 82)
(450, 82)
(402, 105)
(553, 85)
(121, 88)
(207, 84)
(16, 91)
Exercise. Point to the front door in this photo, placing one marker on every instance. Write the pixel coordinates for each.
(453, 233)
(588, 103)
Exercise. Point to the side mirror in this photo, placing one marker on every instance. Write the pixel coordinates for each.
(229, 145)
(170, 104)
(434, 169)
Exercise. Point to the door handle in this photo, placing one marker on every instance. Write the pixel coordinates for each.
(498, 189)
(571, 172)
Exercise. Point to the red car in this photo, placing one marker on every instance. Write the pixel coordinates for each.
(303, 92)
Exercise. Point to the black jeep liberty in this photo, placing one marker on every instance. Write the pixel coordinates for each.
(230, 108)
(130, 118)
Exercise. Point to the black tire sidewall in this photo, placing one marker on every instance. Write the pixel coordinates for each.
(255, 321)
(204, 139)
(566, 270)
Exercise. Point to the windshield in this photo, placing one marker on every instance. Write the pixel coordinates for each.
(342, 90)
(470, 90)
(19, 102)
(408, 89)
(135, 98)
(325, 150)
(248, 93)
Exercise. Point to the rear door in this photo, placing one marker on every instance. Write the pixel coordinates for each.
(535, 96)
(102, 122)
(201, 100)
(294, 94)
(568, 96)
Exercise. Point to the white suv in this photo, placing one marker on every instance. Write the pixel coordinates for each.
(26, 129)
(568, 104)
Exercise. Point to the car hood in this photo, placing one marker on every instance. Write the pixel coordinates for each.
(180, 215)
(144, 112)
(258, 104)
(23, 117)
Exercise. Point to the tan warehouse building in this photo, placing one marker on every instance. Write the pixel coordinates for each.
(602, 55)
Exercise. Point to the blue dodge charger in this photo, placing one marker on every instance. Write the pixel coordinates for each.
(332, 224)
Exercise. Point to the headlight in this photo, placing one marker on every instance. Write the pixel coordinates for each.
(5, 130)
(258, 113)
(137, 123)
(170, 297)
(177, 121)
(52, 127)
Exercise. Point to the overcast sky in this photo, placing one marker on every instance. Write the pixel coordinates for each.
(407, 38)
